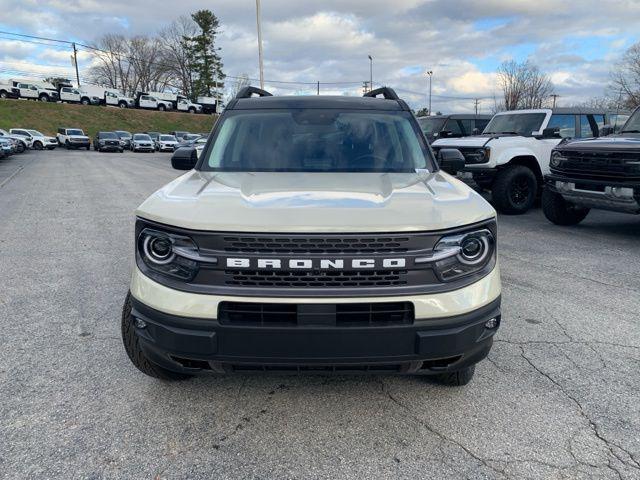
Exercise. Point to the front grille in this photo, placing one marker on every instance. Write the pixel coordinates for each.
(307, 244)
(620, 165)
(293, 315)
(316, 279)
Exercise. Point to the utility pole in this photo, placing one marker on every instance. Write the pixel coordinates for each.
(259, 24)
(430, 74)
(476, 102)
(554, 96)
(75, 62)
(318, 87)
(370, 72)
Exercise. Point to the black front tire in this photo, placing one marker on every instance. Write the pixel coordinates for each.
(514, 190)
(559, 211)
(21, 147)
(135, 353)
(458, 378)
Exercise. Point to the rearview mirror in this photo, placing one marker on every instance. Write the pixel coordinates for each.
(184, 159)
(451, 160)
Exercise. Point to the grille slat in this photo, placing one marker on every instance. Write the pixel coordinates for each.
(289, 245)
(301, 279)
(614, 165)
(341, 314)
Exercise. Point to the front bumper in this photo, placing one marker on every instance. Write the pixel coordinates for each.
(448, 334)
(601, 194)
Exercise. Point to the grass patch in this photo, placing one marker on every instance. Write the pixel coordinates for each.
(48, 117)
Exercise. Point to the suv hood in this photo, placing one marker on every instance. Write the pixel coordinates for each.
(315, 202)
(79, 137)
(474, 141)
(613, 142)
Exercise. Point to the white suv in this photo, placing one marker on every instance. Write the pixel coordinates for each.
(73, 138)
(512, 154)
(75, 95)
(39, 141)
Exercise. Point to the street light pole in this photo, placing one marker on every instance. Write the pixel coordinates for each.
(259, 24)
(430, 74)
(370, 72)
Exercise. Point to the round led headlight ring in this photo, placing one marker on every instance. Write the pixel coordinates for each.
(158, 250)
(474, 249)
(556, 159)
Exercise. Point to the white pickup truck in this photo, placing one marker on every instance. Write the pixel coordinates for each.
(76, 95)
(146, 101)
(512, 154)
(45, 92)
(178, 102)
(7, 90)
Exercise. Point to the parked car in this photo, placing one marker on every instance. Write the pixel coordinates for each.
(73, 138)
(39, 141)
(7, 90)
(179, 135)
(188, 139)
(107, 142)
(154, 136)
(109, 96)
(75, 95)
(601, 173)
(125, 138)
(209, 104)
(42, 91)
(178, 102)
(23, 142)
(391, 268)
(452, 126)
(141, 142)
(6, 147)
(513, 153)
(167, 143)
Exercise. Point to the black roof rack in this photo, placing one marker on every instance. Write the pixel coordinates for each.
(386, 92)
(246, 92)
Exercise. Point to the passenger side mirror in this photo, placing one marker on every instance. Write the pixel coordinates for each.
(451, 160)
(553, 132)
(444, 133)
(184, 159)
(605, 130)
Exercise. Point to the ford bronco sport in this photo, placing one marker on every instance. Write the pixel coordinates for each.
(512, 155)
(314, 234)
(599, 173)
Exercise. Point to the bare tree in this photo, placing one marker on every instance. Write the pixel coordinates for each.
(626, 77)
(523, 85)
(175, 56)
(149, 73)
(112, 67)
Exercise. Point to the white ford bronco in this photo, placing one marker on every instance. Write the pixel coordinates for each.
(314, 234)
(512, 155)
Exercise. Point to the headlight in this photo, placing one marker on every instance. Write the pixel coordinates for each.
(556, 159)
(463, 254)
(169, 254)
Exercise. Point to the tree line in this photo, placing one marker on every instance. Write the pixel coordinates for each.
(183, 56)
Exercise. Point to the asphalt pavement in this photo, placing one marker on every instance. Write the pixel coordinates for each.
(559, 396)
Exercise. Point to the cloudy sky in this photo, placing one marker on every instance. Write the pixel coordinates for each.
(462, 42)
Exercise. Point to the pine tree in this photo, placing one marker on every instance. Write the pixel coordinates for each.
(205, 62)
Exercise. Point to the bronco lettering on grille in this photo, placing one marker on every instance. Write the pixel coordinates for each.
(316, 263)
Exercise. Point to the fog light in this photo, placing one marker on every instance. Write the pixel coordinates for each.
(139, 323)
(491, 324)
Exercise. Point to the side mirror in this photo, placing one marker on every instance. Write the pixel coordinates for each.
(553, 132)
(451, 160)
(445, 133)
(605, 130)
(184, 159)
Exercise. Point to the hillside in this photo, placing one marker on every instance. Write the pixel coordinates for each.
(48, 117)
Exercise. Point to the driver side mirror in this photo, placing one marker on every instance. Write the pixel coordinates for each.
(605, 130)
(451, 160)
(184, 159)
(444, 133)
(553, 132)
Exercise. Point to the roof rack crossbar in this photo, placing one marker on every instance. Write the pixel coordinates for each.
(246, 92)
(386, 92)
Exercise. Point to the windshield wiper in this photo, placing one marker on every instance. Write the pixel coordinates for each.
(630, 131)
(509, 133)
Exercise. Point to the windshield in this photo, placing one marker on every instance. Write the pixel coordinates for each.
(141, 136)
(167, 138)
(431, 124)
(517, 123)
(633, 124)
(122, 134)
(75, 132)
(107, 135)
(35, 133)
(313, 140)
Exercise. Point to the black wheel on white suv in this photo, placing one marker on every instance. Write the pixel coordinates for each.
(44, 98)
(37, 145)
(67, 145)
(122, 105)
(135, 353)
(161, 108)
(514, 189)
(559, 211)
(192, 110)
(21, 147)
(84, 101)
